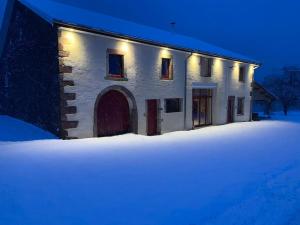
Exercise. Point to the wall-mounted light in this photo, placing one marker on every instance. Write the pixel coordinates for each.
(165, 52)
(255, 67)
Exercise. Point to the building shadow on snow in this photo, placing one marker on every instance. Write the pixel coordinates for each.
(12, 129)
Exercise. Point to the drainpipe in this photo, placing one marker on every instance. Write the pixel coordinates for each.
(185, 86)
(228, 74)
(251, 101)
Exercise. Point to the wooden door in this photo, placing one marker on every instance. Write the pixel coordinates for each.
(230, 109)
(113, 115)
(152, 117)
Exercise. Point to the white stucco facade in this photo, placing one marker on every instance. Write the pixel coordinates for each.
(142, 65)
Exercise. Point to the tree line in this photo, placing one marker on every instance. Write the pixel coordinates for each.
(286, 87)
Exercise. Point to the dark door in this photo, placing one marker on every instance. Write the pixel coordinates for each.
(152, 117)
(113, 116)
(230, 109)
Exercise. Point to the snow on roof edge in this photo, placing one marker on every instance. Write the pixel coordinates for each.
(53, 19)
(161, 44)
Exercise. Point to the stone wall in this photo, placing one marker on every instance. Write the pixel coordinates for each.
(29, 81)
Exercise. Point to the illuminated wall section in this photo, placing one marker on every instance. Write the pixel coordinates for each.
(142, 63)
(218, 78)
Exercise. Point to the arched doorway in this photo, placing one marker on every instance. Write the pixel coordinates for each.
(115, 112)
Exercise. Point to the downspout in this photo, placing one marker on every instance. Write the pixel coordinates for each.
(185, 87)
(251, 104)
(227, 86)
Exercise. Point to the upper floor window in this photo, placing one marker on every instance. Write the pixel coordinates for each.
(173, 105)
(206, 66)
(115, 64)
(242, 74)
(166, 69)
(240, 106)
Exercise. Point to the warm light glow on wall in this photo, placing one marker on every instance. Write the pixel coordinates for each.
(194, 60)
(194, 66)
(124, 47)
(165, 52)
(69, 37)
(218, 67)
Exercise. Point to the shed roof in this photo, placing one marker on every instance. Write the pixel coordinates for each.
(257, 87)
(55, 12)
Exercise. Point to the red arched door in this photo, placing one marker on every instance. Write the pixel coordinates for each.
(113, 116)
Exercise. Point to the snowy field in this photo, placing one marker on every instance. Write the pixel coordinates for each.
(238, 174)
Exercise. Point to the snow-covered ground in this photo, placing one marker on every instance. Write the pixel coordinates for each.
(243, 173)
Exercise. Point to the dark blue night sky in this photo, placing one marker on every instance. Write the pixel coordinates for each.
(267, 30)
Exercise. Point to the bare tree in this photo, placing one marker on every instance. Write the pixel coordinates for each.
(286, 87)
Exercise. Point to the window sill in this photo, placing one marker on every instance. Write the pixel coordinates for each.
(240, 114)
(173, 112)
(166, 79)
(116, 78)
(206, 76)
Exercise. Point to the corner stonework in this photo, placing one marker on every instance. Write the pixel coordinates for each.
(66, 80)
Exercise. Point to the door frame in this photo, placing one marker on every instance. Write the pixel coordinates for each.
(206, 109)
(132, 108)
(230, 118)
(158, 119)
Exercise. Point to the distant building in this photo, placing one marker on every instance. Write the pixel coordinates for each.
(82, 74)
(262, 99)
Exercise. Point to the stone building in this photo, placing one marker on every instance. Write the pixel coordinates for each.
(81, 74)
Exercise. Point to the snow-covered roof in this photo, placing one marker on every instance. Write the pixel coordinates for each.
(55, 12)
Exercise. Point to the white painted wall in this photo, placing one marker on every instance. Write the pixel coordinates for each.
(143, 68)
(219, 94)
(241, 89)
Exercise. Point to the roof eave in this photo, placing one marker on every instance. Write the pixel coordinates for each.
(136, 39)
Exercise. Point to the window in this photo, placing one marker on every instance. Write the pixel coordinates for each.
(240, 106)
(202, 107)
(173, 105)
(206, 66)
(166, 69)
(242, 74)
(115, 64)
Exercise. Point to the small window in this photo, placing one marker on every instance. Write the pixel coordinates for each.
(206, 66)
(116, 65)
(242, 74)
(173, 105)
(240, 106)
(166, 69)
